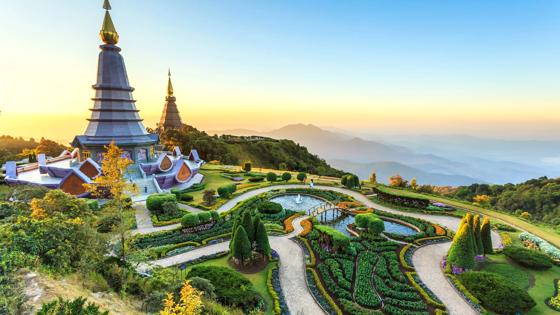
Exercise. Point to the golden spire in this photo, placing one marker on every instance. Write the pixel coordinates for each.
(169, 85)
(108, 33)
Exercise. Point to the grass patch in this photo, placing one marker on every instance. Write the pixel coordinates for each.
(540, 283)
(257, 279)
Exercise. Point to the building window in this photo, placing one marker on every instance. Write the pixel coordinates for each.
(86, 154)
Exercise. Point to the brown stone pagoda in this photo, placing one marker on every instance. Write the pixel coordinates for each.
(170, 118)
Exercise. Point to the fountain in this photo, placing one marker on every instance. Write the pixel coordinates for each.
(298, 199)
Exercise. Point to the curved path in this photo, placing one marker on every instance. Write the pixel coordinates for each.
(426, 259)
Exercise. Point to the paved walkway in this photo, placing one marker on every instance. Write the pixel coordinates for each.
(292, 267)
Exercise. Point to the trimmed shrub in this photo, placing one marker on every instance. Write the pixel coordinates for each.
(256, 179)
(528, 258)
(247, 166)
(337, 239)
(204, 217)
(271, 177)
(186, 197)
(155, 202)
(286, 176)
(371, 222)
(301, 176)
(190, 220)
(93, 205)
(461, 253)
(262, 244)
(269, 207)
(77, 306)
(231, 287)
(478, 235)
(486, 236)
(497, 293)
(226, 190)
(215, 215)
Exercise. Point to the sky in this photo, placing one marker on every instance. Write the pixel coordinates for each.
(486, 68)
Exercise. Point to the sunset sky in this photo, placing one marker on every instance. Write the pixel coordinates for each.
(433, 67)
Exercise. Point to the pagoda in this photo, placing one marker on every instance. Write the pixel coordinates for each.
(114, 116)
(170, 118)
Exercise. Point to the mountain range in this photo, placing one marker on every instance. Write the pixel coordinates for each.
(459, 160)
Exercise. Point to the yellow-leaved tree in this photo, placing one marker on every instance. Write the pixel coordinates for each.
(190, 302)
(112, 184)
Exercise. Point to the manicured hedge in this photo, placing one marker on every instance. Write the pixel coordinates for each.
(528, 258)
(194, 219)
(402, 200)
(155, 202)
(231, 287)
(371, 222)
(226, 190)
(256, 179)
(497, 293)
(269, 207)
(339, 240)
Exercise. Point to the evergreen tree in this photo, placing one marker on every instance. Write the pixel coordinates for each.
(256, 222)
(477, 235)
(470, 220)
(241, 245)
(461, 253)
(485, 235)
(247, 223)
(262, 244)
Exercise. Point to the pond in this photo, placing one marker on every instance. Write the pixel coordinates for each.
(306, 202)
(301, 203)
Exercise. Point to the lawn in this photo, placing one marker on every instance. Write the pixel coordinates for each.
(257, 279)
(544, 232)
(540, 284)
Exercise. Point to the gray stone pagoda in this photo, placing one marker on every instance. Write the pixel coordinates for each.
(114, 116)
(170, 117)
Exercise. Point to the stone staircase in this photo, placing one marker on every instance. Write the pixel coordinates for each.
(146, 186)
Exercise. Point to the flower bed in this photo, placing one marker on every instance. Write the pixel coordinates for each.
(471, 299)
(405, 256)
(307, 227)
(554, 301)
(309, 255)
(275, 291)
(428, 295)
(288, 226)
(544, 246)
(175, 249)
(319, 293)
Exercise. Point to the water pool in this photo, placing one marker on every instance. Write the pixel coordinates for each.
(301, 203)
(390, 226)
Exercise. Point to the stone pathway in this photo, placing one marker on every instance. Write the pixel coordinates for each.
(292, 266)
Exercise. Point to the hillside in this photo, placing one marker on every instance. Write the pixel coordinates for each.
(261, 151)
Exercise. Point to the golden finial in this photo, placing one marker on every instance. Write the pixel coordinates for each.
(169, 85)
(108, 33)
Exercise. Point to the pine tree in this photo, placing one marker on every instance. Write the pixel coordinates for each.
(262, 244)
(485, 235)
(247, 223)
(461, 253)
(256, 222)
(241, 245)
(477, 235)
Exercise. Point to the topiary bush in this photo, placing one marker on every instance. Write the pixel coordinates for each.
(497, 293)
(371, 222)
(204, 217)
(256, 179)
(269, 207)
(155, 202)
(190, 219)
(271, 177)
(186, 197)
(226, 190)
(528, 258)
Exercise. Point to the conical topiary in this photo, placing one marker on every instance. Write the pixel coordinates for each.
(241, 249)
(461, 253)
(247, 223)
(469, 218)
(256, 222)
(477, 236)
(262, 245)
(486, 236)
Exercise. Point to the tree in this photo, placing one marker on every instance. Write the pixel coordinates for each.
(271, 177)
(461, 253)
(283, 166)
(59, 202)
(396, 181)
(112, 182)
(247, 223)
(190, 302)
(209, 197)
(49, 148)
(256, 222)
(470, 221)
(242, 249)
(478, 235)
(301, 176)
(350, 181)
(286, 176)
(482, 200)
(486, 236)
(413, 184)
(247, 167)
(373, 178)
(262, 244)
